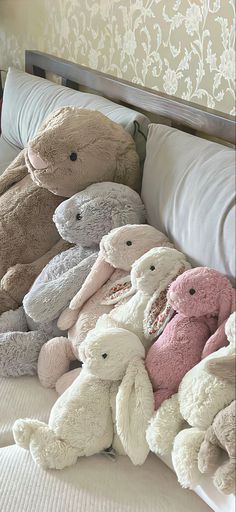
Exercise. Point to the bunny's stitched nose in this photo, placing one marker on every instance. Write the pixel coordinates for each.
(36, 160)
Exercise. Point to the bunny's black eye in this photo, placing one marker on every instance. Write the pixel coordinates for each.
(73, 156)
(152, 267)
(104, 355)
(192, 291)
(78, 216)
(129, 242)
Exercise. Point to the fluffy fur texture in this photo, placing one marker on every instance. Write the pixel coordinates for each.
(197, 297)
(150, 276)
(114, 262)
(201, 396)
(83, 220)
(73, 149)
(219, 437)
(81, 421)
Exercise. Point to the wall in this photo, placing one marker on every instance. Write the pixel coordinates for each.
(182, 47)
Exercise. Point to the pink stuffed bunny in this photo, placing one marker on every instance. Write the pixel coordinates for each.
(109, 277)
(203, 299)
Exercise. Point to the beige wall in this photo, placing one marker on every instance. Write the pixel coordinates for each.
(182, 47)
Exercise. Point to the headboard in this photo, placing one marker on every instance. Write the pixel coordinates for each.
(181, 114)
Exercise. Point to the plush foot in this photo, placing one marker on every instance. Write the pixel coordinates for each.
(224, 478)
(54, 361)
(6, 302)
(46, 448)
(18, 280)
(13, 321)
(19, 352)
(185, 456)
(66, 380)
(164, 426)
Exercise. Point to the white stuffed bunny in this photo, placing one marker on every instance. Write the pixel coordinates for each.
(200, 397)
(150, 277)
(81, 421)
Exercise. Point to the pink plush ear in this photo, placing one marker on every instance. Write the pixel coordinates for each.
(119, 290)
(227, 306)
(98, 276)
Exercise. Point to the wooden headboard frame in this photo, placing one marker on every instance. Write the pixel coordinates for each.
(182, 114)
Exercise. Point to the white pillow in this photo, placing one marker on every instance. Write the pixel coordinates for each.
(28, 100)
(189, 193)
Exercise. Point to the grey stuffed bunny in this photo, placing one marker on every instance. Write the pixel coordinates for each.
(82, 220)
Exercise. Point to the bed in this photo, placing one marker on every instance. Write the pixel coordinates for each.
(170, 126)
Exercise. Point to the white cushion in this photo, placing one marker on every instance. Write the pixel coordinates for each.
(94, 484)
(189, 193)
(22, 397)
(7, 153)
(27, 100)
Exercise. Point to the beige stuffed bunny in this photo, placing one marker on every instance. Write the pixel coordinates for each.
(81, 421)
(221, 435)
(73, 149)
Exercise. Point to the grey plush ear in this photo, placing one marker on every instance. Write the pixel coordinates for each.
(120, 289)
(134, 409)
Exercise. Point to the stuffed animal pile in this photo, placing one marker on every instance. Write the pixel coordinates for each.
(85, 281)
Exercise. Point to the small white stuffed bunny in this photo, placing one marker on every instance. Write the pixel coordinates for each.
(81, 421)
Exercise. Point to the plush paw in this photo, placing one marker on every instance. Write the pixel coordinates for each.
(185, 456)
(67, 319)
(6, 302)
(13, 321)
(164, 426)
(54, 361)
(224, 478)
(18, 280)
(22, 432)
(66, 380)
(19, 352)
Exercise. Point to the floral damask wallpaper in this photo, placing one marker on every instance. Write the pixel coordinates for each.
(182, 47)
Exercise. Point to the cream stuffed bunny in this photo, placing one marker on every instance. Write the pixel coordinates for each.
(214, 392)
(150, 277)
(81, 421)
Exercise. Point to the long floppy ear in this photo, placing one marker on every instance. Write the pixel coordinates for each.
(216, 341)
(158, 312)
(227, 303)
(222, 367)
(119, 290)
(15, 172)
(156, 315)
(134, 409)
(100, 272)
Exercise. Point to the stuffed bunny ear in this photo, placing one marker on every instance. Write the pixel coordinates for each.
(227, 303)
(222, 368)
(157, 314)
(119, 290)
(134, 409)
(100, 272)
